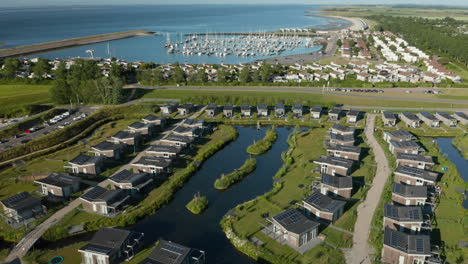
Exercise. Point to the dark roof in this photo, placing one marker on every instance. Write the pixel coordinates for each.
(404, 144)
(335, 161)
(417, 173)
(245, 107)
(99, 194)
(126, 176)
(414, 157)
(297, 107)
(316, 108)
(228, 107)
(389, 115)
(410, 116)
(107, 240)
(343, 148)
(403, 134)
(262, 107)
(279, 106)
(410, 191)
(212, 107)
(337, 181)
(138, 125)
(163, 148)
(85, 160)
(154, 118)
(123, 135)
(335, 110)
(429, 116)
(354, 112)
(177, 138)
(186, 106)
(167, 252)
(410, 244)
(343, 138)
(446, 115)
(461, 115)
(323, 202)
(183, 130)
(106, 145)
(21, 201)
(194, 122)
(294, 221)
(403, 213)
(153, 161)
(60, 180)
(344, 128)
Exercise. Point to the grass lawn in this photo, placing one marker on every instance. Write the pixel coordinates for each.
(69, 253)
(17, 96)
(292, 97)
(461, 143)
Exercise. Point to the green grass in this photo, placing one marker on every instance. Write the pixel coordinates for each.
(15, 98)
(461, 143)
(197, 205)
(69, 253)
(237, 175)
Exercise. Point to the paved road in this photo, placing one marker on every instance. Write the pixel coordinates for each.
(361, 250)
(307, 90)
(28, 241)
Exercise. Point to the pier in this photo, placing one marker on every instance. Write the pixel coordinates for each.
(66, 43)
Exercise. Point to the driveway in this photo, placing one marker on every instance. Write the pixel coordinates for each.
(361, 250)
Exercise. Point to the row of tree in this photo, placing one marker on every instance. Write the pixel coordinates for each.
(12, 66)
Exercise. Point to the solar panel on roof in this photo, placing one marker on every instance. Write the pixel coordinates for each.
(419, 245)
(173, 248)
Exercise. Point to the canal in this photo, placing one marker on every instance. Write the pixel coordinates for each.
(447, 149)
(174, 222)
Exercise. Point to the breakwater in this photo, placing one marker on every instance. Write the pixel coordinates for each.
(66, 43)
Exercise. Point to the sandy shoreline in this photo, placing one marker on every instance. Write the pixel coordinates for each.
(356, 23)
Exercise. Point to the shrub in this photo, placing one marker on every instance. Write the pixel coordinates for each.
(198, 204)
(262, 146)
(237, 175)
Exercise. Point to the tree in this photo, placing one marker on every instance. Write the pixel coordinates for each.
(41, 68)
(10, 67)
(179, 75)
(222, 75)
(109, 90)
(61, 73)
(61, 92)
(265, 72)
(393, 48)
(339, 43)
(117, 71)
(201, 76)
(244, 75)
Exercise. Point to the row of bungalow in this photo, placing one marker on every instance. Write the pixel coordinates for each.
(299, 229)
(114, 245)
(415, 120)
(407, 220)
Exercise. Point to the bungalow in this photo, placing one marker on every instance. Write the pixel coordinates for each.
(135, 182)
(343, 151)
(410, 119)
(294, 228)
(59, 185)
(323, 207)
(347, 140)
(415, 176)
(363, 76)
(335, 114)
(410, 147)
(280, 110)
(337, 185)
(297, 110)
(461, 117)
(152, 165)
(403, 218)
(110, 245)
(162, 151)
(353, 116)
(262, 110)
(195, 123)
(104, 202)
(402, 248)
(429, 119)
(185, 131)
(389, 118)
(169, 108)
(246, 110)
(408, 194)
(228, 110)
(333, 165)
(167, 252)
(414, 160)
(20, 208)
(178, 141)
(141, 128)
(185, 109)
(85, 164)
(316, 112)
(343, 130)
(108, 149)
(447, 119)
(155, 120)
(398, 136)
(211, 110)
(132, 139)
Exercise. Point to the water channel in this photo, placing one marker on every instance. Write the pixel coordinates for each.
(447, 149)
(174, 222)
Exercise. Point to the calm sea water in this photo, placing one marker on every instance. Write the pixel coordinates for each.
(35, 25)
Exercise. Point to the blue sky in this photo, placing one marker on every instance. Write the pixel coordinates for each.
(44, 3)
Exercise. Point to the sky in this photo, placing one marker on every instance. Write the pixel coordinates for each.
(45, 3)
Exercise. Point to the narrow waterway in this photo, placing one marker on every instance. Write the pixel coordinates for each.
(174, 222)
(447, 149)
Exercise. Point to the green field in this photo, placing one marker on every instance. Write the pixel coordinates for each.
(15, 98)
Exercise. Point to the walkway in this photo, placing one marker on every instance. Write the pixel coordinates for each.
(28, 241)
(360, 251)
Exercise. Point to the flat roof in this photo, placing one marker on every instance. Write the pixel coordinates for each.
(340, 162)
(344, 182)
(389, 115)
(417, 173)
(414, 157)
(343, 148)
(60, 180)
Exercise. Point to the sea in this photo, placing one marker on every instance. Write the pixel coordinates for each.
(25, 26)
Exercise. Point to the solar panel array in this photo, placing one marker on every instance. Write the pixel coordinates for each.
(289, 217)
(173, 248)
(419, 245)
